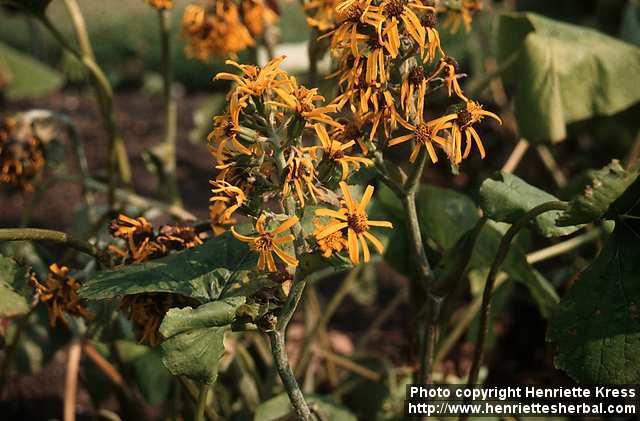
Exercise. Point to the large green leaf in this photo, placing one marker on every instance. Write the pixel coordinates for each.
(506, 198)
(194, 338)
(26, 77)
(203, 272)
(596, 327)
(13, 288)
(606, 186)
(565, 73)
(279, 407)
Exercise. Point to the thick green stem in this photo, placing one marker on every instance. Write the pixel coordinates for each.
(37, 234)
(288, 379)
(168, 151)
(503, 250)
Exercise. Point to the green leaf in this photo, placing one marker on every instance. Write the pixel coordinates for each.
(203, 272)
(151, 377)
(27, 78)
(596, 327)
(506, 198)
(606, 186)
(565, 73)
(13, 288)
(280, 407)
(194, 338)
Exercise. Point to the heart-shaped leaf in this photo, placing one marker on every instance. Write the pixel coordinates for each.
(14, 288)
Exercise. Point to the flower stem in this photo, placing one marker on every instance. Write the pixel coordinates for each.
(118, 158)
(288, 379)
(503, 250)
(37, 234)
(202, 403)
(168, 155)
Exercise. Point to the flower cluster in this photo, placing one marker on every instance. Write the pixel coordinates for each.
(59, 292)
(143, 243)
(21, 155)
(225, 27)
(389, 59)
(279, 146)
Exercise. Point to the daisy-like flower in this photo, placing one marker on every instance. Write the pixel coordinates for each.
(59, 293)
(431, 44)
(269, 242)
(219, 218)
(257, 15)
(462, 127)
(300, 172)
(415, 83)
(353, 16)
(161, 4)
(396, 11)
(177, 237)
(449, 66)
(463, 14)
(352, 218)
(332, 243)
(254, 80)
(335, 152)
(233, 197)
(351, 129)
(302, 101)
(139, 238)
(425, 135)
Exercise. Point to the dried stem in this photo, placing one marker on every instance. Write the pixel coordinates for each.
(503, 250)
(516, 156)
(71, 380)
(201, 404)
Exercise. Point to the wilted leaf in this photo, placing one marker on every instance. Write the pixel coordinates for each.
(194, 338)
(606, 186)
(596, 327)
(27, 78)
(506, 198)
(565, 73)
(279, 407)
(13, 288)
(203, 272)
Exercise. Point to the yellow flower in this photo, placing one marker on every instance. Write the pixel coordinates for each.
(139, 238)
(233, 197)
(302, 101)
(353, 218)
(431, 43)
(300, 172)
(462, 15)
(397, 11)
(254, 80)
(463, 128)
(425, 135)
(219, 218)
(450, 67)
(351, 129)
(415, 83)
(322, 14)
(60, 294)
(335, 151)
(257, 15)
(353, 15)
(177, 237)
(269, 242)
(161, 4)
(331, 243)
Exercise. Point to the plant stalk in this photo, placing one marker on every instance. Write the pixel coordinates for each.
(170, 111)
(503, 250)
(202, 403)
(37, 234)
